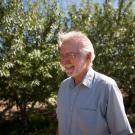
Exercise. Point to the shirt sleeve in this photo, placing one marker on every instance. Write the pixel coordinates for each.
(116, 116)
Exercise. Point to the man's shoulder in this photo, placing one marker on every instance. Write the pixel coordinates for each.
(66, 81)
(104, 78)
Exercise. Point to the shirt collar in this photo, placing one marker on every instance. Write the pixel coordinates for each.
(88, 78)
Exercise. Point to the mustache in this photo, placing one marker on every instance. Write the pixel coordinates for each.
(62, 68)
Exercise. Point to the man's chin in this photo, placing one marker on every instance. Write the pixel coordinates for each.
(70, 74)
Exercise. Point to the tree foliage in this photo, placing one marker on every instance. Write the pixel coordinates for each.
(29, 65)
(29, 60)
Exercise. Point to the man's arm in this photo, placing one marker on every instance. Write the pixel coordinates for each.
(116, 115)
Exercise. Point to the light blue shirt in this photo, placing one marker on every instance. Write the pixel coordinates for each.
(95, 107)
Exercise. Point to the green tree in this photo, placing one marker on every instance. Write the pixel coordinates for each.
(29, 65)
(29, 61)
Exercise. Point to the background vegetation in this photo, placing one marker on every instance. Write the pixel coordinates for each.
(29, 62)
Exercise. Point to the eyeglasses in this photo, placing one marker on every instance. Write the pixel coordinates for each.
(71, 55)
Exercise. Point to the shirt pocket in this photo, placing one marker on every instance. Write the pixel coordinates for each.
(87, 115)
(87, 118)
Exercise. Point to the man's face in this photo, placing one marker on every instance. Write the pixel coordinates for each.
(73, 61)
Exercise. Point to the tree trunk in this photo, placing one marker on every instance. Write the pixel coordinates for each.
(24, 117)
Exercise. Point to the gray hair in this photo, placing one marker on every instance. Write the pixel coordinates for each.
(80, 38)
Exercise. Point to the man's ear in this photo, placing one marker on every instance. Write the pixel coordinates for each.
(89, 58)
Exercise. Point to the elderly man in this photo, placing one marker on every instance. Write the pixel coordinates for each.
(89, 103)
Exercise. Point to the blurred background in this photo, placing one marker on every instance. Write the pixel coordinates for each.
(30, 71)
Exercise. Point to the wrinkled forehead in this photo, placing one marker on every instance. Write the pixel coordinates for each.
(71, 45)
